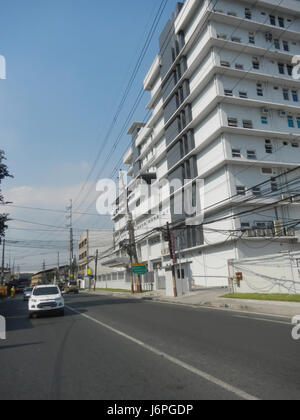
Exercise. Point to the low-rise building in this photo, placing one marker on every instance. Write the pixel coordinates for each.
(89, 243)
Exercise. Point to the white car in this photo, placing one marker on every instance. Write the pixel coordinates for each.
(46, 299)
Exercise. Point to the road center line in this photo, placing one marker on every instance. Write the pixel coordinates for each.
(238, 392)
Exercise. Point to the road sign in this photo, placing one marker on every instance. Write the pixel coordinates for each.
(139, 269)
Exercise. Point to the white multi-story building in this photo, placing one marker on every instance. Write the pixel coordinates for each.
(225, 109)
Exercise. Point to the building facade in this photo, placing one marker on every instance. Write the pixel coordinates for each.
(225, 110)
(91, 241)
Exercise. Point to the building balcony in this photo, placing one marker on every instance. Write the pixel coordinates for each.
(153, 73)
(114, 261)
(127, 159)
(254, 26)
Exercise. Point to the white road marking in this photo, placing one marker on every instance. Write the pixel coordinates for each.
(265, 320)
(238, 392)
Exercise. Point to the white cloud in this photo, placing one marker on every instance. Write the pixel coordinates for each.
(48, 198)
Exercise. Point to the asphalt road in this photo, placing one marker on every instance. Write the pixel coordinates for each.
(109, 348)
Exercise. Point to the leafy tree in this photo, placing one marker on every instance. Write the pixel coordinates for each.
(4, 173)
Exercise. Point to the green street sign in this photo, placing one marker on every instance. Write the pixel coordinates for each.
(139, 269)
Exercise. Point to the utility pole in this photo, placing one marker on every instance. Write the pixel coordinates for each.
(3, 262)
(171, 240)
(44, 274)
(69, 216)
(96, 269)
(132, 242)
(58, 269)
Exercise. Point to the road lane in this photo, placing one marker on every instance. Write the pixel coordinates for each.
(258, 357)
(73, 358)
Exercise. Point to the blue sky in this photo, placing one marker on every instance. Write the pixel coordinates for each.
(68, 63)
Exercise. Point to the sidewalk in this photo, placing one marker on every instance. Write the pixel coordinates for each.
(210, 298)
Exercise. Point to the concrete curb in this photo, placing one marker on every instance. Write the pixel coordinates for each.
(238, 307)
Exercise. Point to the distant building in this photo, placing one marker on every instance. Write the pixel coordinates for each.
(50, 276)
(91, 241)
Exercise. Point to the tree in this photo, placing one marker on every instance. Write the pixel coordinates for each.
(4, 173)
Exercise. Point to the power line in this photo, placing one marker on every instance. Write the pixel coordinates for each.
(127, 90)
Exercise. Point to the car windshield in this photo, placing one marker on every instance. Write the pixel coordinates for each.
(46, 291)
(29, 290)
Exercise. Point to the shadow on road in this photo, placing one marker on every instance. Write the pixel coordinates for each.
(20, 345)
(100, 302)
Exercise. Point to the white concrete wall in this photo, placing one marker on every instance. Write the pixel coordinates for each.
(279, 273)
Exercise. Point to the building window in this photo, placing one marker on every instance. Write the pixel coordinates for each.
(295, 145)
(260, 91)
(268, 146)
(274, 186)
(281, 22)
(281, 68)
(243, 95)
(240, 190)
(251, 38)
(251, 154)
(291, 123)
(228, 92)
(286, 95)
(239, 66)
(256, 64)
(286, 46)
(236, 153)
(247, 124)
(225, 64)
(264, 120)
(245, 226)
(256, 191)
(248, 13)
(295, 96)
(277, 44)
(298, 122)
(290, 70)
(236, 39)
(232, 122)
(272, 20)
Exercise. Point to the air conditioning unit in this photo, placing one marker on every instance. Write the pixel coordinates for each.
(269, 233)
(278, 228)
(249, 233)
(290, 232)
(165, 251)
(296, 199)
(282, 114)
(260, 233)
(265, 111)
